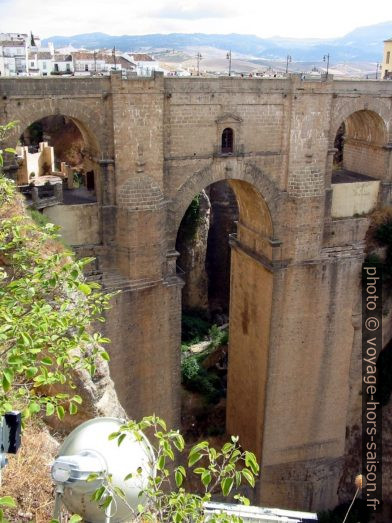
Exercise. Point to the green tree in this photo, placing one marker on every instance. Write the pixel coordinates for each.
(46, 312)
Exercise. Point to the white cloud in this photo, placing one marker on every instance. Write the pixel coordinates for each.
(302, 18)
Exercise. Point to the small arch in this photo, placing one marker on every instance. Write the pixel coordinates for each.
(227, 143)
(360, 143)
(377, 109)
(61, 146)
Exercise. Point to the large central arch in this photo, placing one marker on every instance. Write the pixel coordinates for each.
(251, 288)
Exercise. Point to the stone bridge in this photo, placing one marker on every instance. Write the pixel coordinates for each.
(296, 257)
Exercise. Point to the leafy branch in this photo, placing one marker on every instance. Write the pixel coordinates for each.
(165, 497)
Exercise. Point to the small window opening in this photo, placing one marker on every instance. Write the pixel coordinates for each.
(227, 141)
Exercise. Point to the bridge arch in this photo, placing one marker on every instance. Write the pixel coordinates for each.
(85, 125)
(89, 121)
(373, 112)
(251, 288)
(266, 192)
(361, 141)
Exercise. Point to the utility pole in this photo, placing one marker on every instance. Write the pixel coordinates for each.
(288, 60)
(198, 57)
(114, 58)
(378, 68)
(95, 63)
(228, 56)
(326, 59)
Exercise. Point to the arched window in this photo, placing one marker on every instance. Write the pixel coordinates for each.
(227, 141)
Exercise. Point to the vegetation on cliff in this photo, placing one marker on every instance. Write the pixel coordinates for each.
(46, 312)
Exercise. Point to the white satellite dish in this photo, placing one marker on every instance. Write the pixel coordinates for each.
(88, 450)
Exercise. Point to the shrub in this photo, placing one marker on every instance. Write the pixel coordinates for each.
(166, 498)
(190, 368)
(194, 327)
(39, 218)
(218, 336)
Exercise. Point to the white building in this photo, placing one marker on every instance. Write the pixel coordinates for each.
(145, 64)
(62, 64)
(12, 57)
(14, 48)
(98, 62)
(40, 63)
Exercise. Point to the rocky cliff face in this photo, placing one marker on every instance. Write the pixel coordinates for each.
(192, 246)
(224, 213)
(203, 243)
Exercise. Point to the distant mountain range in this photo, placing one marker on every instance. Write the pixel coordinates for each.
(362, 44)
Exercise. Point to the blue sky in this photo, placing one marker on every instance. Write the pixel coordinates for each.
(289, 18)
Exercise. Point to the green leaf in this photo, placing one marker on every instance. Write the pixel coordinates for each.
(31, 372)
(73, 409)
(107, 502)
(34, 407)
(179, 442)
(120, 493)
(251, 462)
(206, 478)
(121, 439)
(179, 478)
(47, 361)
(93, 476)
(60, 411)
(249, 477)
(182, 470)
(128, 476)
(49, 409)
(227, 485)
(75, 518)
(105, 355)
(7, 501)
(86, 289)
(6, 384)
(98, 493)
(194, 458)
(161, 462)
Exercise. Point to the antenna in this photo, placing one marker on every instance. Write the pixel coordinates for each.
(87, 450)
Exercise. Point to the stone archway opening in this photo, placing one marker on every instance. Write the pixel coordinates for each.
(59, 146)
(204, 260)
(360, 161)
(360, 142)
(58, 171)
(224, 367)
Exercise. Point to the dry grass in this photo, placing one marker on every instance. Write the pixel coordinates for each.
(27, 476)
